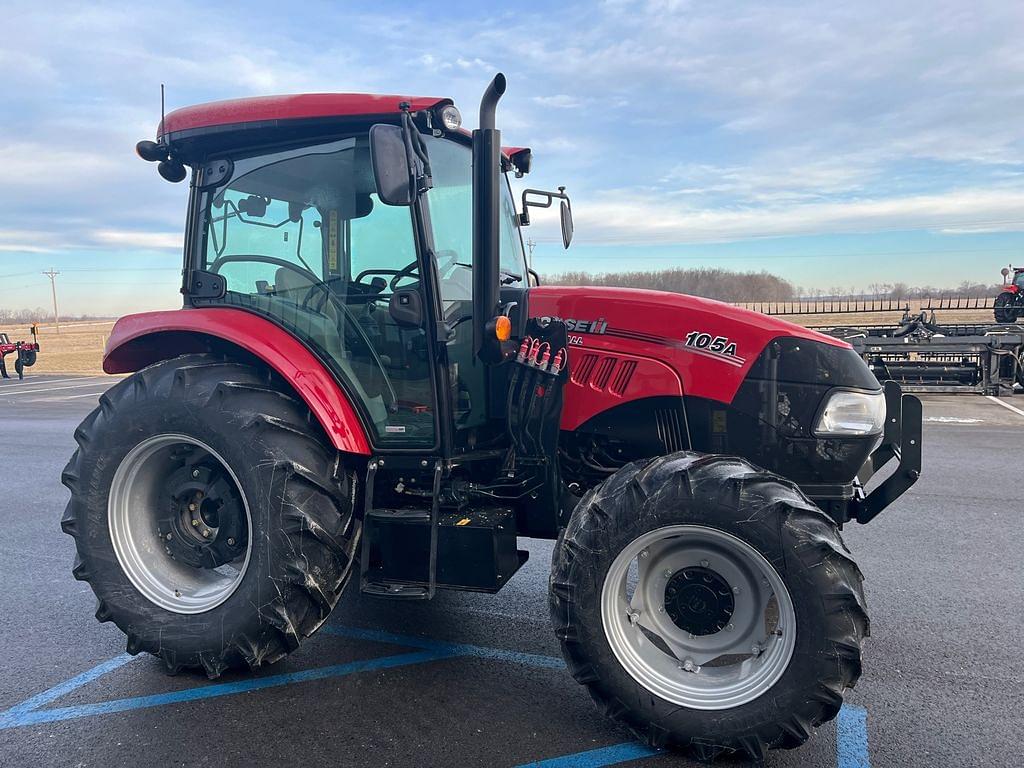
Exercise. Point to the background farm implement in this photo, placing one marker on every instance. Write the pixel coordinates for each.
(25, 353)
(919, 351)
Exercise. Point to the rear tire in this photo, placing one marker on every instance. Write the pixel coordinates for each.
(297, 495)
(727, 499)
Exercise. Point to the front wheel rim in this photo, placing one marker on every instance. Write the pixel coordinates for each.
(698, 617)
(167, 543)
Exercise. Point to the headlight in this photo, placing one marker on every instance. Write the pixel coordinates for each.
(451, 118)
(852, 413)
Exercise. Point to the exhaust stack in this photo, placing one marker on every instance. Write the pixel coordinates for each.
(486, 201)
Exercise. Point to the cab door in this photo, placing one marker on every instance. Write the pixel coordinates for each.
(301, 237)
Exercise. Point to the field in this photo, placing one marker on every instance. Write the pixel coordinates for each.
(78, 348)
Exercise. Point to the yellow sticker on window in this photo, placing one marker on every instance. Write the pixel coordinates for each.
(332, 241)
(463, 521)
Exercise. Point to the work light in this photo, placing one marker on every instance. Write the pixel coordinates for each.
(451, 118)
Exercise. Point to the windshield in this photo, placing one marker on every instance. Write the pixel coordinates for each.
(451, 215)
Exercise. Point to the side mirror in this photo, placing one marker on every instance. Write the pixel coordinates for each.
(566, 224)
(391, 171)
(538, 198)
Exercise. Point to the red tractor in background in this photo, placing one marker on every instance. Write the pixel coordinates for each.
(1009, 305)
(366, 379)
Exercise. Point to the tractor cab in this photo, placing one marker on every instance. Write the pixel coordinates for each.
(353, 229)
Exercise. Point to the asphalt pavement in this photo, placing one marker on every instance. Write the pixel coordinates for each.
(477, 680)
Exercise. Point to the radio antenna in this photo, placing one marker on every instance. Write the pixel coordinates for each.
(161, 113)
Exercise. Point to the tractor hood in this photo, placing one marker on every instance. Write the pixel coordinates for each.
(627, 344)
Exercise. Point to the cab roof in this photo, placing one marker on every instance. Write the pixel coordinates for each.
(270, 110)
(211, 123)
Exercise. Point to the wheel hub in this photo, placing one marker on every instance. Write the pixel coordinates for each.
(699, 601)
(205, 524)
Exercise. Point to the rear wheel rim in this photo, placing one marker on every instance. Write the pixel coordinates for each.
(157, 539)
(698, 617)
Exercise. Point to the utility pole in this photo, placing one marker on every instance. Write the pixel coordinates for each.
(53, 288)
(530, 244)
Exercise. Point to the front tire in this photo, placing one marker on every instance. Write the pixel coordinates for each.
(1003, 308)
(211, 517)
(767, 608)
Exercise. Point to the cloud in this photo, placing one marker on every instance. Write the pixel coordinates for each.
(559, 101)
(670, 121)
(626, 217)
(133, 239)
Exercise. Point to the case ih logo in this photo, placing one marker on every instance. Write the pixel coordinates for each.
(580, 326)
(718, 347)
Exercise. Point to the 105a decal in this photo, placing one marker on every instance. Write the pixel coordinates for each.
(720, 345)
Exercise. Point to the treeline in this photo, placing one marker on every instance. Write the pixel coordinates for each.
(904, 291)
(39, 315)
(738, 287)
(720, 284)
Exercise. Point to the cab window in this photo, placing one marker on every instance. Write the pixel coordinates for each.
(300, 236)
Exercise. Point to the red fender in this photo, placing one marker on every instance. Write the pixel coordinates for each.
(140, 340)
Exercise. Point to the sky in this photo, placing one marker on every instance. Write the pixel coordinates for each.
(839, 145)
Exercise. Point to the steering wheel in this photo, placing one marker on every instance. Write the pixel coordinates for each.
(403, 273)
(317, 286)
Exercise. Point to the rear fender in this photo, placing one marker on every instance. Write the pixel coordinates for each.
(140, 340)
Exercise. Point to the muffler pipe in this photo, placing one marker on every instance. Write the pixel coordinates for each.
(489, 102)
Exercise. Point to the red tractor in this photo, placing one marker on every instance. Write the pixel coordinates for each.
(1009, 305)
(366, 378)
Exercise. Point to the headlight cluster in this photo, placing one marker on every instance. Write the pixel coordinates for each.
(849, 413)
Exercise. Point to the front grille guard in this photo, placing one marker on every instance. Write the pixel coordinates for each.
(901, 440)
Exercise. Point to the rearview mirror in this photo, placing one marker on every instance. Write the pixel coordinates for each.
(566, 223)
(391, 171)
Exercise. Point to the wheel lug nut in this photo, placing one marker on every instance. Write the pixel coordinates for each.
(206, 534)
(735, 590)
(728, 627)
(191, 507)
(195, 523)
(703, 563)
(168, 537)
(668, 573)
(231, 542)
(195, 473)
(644, 553)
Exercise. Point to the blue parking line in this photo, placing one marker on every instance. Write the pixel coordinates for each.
(852, 737)
(441, 646)
(851, 724)
(593, 758)
(14, 719)
(69, 685)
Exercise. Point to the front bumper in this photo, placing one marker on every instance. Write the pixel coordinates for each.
(901, 441)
